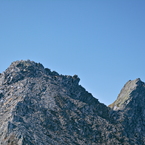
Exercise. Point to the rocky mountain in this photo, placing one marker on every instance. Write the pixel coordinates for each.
(41, 107)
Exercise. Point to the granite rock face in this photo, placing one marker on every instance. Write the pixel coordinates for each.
(41, 107)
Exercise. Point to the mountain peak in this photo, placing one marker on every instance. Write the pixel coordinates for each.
(24, 65)
(129, 110)
(20, 70)
(126, 94)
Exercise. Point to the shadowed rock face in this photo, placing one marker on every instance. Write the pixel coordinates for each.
(40, 107)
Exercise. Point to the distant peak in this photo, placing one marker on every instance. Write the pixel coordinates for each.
(26, 64)
(126, 94)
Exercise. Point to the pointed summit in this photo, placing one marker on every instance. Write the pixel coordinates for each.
(129, 110)
(130, 91)
(18, 70)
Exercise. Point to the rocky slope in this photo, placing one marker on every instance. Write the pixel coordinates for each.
(41, 107)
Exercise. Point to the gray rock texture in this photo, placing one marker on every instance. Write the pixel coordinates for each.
(41, 107)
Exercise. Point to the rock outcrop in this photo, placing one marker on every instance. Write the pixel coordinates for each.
(41, 107)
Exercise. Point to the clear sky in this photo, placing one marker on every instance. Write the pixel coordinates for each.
(102, 41)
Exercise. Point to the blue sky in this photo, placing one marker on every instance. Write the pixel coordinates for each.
(102, 41)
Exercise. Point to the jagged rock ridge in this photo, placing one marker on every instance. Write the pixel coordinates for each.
(41, 107)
